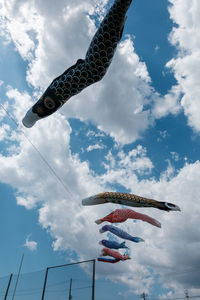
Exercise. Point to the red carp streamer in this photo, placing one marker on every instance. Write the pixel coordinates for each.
(121, 215)
(115, 254)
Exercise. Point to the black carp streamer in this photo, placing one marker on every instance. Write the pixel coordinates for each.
(86, 71)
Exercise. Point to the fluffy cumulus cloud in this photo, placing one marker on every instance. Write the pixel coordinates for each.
(94, 147)
(185, 36)
(168, 104)
(46, 174)
(31, 245)
(4, 131)
(184, 96)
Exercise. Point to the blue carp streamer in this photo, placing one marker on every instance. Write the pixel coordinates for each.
(113, 244)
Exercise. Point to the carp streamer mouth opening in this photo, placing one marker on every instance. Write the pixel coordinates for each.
(30, 119)
(172, 206)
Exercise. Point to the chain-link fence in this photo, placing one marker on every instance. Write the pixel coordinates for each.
(64, 282)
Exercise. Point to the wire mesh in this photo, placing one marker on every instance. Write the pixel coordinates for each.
(29, 286)
(74, 281)
(71, 281)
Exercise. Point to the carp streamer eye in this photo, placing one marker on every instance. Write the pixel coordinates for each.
(49, 103)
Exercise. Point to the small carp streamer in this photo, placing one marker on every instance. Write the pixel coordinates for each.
(113, 244)
(108, 260)
(120, 233)
(121, 215)
(86, 71)
(128, 200)
(115, 254)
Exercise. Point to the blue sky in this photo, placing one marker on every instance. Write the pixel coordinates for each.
(135, 131)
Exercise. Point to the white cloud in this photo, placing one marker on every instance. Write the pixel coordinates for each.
(92, 134)
(163, 134)
(4, 132)
(119, 112)
(95, 147)
(3, 110)
(31, 245)
(21, 101)
(27, 202)
(185, 36)
(168, 104)
(124, 168)
(175, 155)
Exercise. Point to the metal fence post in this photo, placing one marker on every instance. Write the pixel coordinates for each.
(20, 267)
(45, 282)
(9, 282)
(93, 280)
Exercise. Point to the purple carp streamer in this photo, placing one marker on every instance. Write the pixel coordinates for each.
(121, 215)
(128, 200)
(86, 71)
(120, 233)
